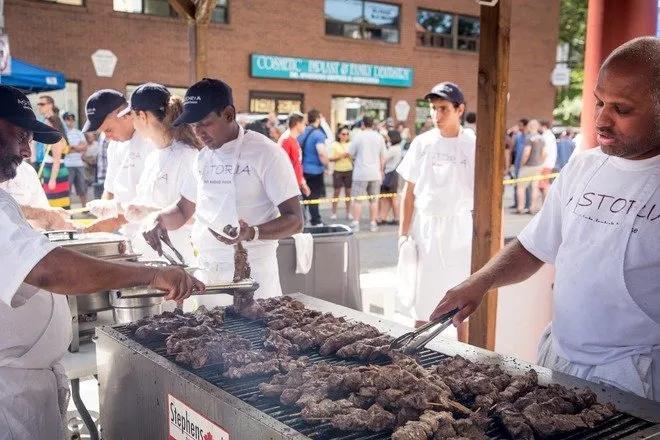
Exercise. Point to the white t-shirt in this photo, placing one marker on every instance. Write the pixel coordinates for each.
(605, 201)
(550, 149)
(263, 180)
(442, 170)
(125, 165)
(366, 149)
(26, 187)
(165, 172)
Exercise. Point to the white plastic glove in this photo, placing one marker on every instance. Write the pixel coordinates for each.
(104, 209)
(137, 213)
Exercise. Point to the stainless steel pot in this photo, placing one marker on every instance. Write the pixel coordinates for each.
(127, 310)
(95, 302)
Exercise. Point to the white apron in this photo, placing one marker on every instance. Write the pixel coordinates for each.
(216, 206)
(441, 231)
(34, 389)
(593, 310)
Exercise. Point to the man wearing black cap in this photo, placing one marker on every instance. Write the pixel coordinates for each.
(242, 179)
(439, 174)
(126, 154)
(35, 322)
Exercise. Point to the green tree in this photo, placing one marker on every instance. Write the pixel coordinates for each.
(572, 34)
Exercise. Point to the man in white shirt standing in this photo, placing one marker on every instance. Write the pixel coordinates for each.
(550, 161)
(599, 227)
(73, 160)
(241, 179)
(368, 152)
(126, 154)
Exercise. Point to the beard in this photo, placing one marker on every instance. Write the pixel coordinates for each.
(8, 163)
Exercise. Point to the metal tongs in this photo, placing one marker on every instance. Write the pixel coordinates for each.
(237, 290)
(177, 254)
(412, 342)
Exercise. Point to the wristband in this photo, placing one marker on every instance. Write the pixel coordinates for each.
(256, 233)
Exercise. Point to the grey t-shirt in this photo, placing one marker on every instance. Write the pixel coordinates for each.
(535, 141)
(366, 149)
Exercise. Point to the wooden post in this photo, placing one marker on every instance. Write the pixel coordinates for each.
(198, 15)
(493, 79)
(201, 50)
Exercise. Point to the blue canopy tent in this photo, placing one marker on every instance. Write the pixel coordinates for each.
(32, 79)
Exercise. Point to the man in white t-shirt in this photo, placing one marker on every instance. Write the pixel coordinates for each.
(26, 189)
(599, 228)
(126, 154)
(368, 151)
(550, 161)
(242, 179)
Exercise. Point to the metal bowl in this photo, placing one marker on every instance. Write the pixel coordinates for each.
(127, 310)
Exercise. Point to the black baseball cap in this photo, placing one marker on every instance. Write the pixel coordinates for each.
(448, 91)
(99, 105)
(202, 98)
(148, 97)
(68, 115)
(16, 109)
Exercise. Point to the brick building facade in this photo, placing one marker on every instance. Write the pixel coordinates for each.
(63, 37)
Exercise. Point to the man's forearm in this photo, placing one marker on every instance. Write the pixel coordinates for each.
(283, 226)
(82, 274)
(172, 218)
(31, 213)
(511, 265)
(407, 208)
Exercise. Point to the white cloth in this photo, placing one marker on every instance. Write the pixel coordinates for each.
(304, 243)
(442, 170)
(165, 171)
(367, 148)
(36, 330)
(125, 165)
(74, 159)
(254, 175)
(598, 228)
(392, 157)
(406, 274)
(550, 142)
(26, 188)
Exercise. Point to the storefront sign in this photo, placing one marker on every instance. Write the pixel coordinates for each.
(306, 69)
(186, 424)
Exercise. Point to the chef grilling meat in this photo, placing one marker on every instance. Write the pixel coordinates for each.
(242, 179)
(153, 110)
(127, 152)
(599, 228)
(35, 322)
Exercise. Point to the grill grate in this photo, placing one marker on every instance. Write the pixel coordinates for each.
(618, 427)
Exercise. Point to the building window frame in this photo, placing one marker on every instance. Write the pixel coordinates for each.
(275, 96)
(386, 100)
(429, 39)
(365, 27)
(172, 12)
(83, 3)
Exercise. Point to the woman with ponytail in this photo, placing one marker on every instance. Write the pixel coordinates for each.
(154, 110)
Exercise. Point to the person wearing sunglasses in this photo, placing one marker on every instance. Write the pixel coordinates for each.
(342, 175)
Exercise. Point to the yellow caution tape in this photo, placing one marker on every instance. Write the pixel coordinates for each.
(529, 179)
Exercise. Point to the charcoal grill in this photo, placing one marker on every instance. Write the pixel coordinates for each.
(135, 380)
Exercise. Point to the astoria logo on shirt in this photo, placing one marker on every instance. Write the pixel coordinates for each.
(608, 209)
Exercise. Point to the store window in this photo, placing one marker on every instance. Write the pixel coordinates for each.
(179, 91)
(361, 19)
(280, 103)
(348, 110)
(162, 8)
(422, 116)
(448, 31)
(66, 2)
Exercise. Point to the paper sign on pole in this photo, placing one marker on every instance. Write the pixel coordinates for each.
(5, 56)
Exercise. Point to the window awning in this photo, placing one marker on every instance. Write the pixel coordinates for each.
(32, 79)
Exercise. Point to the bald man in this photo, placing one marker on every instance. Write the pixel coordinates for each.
(600, 228)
